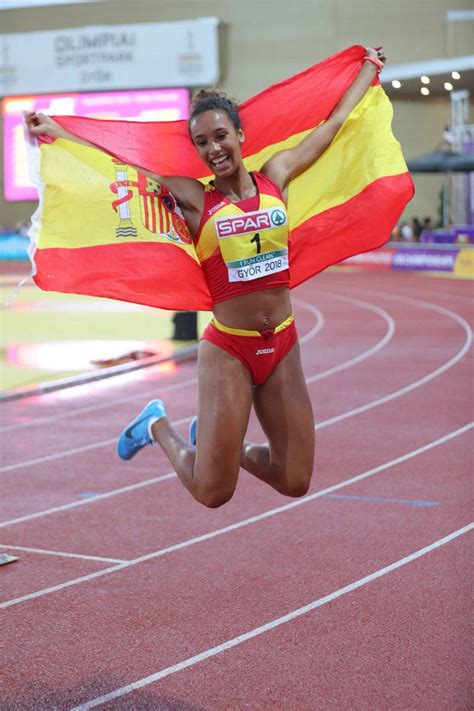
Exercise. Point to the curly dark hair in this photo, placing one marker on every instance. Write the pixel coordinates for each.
(215, 100)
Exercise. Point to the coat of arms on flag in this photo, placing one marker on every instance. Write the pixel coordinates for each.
(159, 212)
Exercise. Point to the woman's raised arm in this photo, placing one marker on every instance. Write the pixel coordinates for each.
(286, 165)
(43, 125)
(188, 192)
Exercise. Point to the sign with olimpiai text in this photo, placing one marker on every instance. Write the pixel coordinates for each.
(152, 55)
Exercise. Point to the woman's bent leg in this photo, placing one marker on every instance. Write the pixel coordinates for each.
(283, 407)
(210, 470)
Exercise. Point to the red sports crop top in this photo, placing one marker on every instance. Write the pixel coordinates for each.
(243, 247)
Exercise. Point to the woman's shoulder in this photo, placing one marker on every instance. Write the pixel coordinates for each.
(266, 185)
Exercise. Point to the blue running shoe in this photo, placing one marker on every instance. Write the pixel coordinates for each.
(138, 433)
(193, 431)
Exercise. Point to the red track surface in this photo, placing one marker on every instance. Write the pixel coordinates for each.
(140, 589)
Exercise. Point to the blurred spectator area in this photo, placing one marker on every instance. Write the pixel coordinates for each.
(279, 43)
(425, 232)
(14, 243)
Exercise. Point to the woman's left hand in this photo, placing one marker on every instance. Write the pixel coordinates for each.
(376, 53)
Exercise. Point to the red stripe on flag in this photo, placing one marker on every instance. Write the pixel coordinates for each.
(351, 228)
(143, 273)
(317, 89)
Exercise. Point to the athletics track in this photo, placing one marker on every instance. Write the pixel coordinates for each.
(128, 595)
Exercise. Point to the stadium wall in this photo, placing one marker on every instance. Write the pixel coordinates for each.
(264, 41)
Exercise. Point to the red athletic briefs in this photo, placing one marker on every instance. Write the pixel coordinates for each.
(259, 351)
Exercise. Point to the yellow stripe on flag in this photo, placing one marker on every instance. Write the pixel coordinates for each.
(78, 180)
(363, 151)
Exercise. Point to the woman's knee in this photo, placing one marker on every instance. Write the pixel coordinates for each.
(217, 488)
(215, 482)
(214, 496)
(297, 486)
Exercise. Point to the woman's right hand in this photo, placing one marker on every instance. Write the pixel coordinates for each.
(41, 125)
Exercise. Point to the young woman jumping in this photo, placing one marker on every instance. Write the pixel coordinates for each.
(249, 353)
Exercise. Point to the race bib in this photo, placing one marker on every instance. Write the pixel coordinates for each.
(254, 244)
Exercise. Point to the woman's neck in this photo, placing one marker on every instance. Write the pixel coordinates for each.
(237, 187)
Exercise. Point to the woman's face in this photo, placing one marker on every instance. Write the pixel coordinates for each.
(217, 141)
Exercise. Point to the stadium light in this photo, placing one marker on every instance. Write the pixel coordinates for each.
(425, 79)
(455, 75)
(396, 84)
(425, 91)
(448, 86)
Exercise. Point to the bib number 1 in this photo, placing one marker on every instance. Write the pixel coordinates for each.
(253, 244)
(256, 239)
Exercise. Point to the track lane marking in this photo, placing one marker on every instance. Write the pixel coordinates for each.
(318, 425)
(273, 624)
(417, 383)
(244, 522)
(458, 297)
(381, 500)
(84, 502)
(414, 287)
(320, 321)
(93, 408)
(75, 450)
(57, 455)
(320, 376)
(366, 354)
(61, 554)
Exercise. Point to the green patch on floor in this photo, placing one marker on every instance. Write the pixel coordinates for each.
(45, 336)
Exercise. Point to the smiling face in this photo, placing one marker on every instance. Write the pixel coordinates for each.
(217, 141)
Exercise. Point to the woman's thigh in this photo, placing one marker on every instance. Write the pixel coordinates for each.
(225, 401)
(284, 409)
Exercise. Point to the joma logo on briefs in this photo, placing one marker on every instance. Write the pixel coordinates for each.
(241, 224)
(265, 351)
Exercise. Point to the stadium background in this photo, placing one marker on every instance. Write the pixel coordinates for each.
(260, 43)
(266, 41)
(125, 593)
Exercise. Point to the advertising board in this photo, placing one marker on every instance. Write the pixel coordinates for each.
(138, 105)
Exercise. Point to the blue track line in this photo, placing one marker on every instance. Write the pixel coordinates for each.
(383, 500)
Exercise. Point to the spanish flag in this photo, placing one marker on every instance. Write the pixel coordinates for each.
(104, 229)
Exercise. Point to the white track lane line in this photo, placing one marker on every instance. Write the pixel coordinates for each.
(417, 383)
(319, 425)
(244, 522)
(267, 627)
(94, 408)
(61, 554)
(366, 354)
(458, 297)
(75, 450)
(167, 388)
(85, 502)
(331, 371)
(313, 332)
(320, 320)
(416, 300)
(57, 455)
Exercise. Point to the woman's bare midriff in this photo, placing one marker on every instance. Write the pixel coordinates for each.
(256, 311)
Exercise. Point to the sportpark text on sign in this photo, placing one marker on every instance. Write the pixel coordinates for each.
(152, 55)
